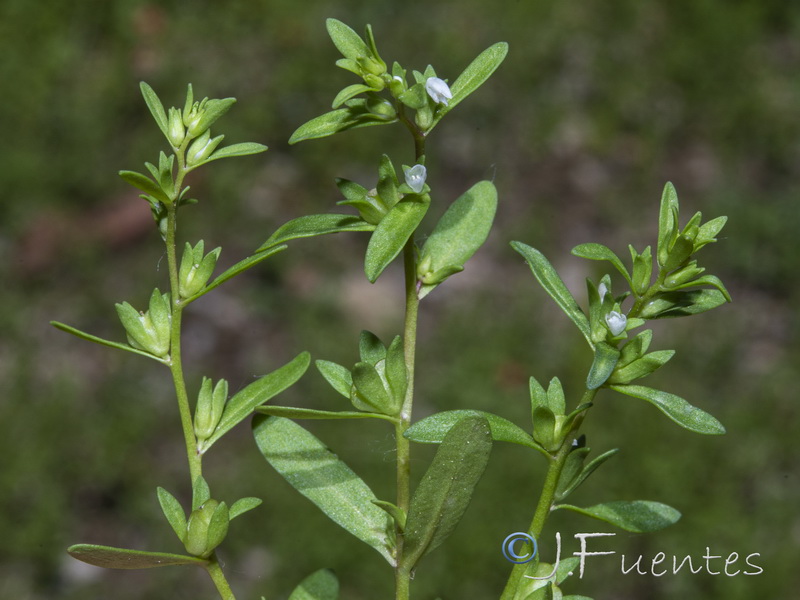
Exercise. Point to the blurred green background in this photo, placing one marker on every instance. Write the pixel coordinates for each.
(597, 105)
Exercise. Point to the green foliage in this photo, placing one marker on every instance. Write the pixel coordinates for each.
(122, 558)
(320, 585)
(638, 516)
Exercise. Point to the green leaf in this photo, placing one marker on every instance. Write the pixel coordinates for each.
(397, 513)
(338, 376)
(145, 184)
(314, 225)
(605, 359)
(641, 367)
(242, 404)
(444, 493)
(371, 392)
(573, 483)
(92, 338)
(320, 476)
(392, 233)
(573, 465)
(200, 492)
(218, 526)
(156, 108)
(667, 227)
(395, 370)
(243, 149)
(711, 280)
(370, 348)
(462, 229)
(682, 304)
(601, 252)
(341, 119)
(320, 585)
(476, 73)
(433, 429)
(676, 408)
(638, 516)
(240, 267)
(556, 401)
(544, 429)
(173, 510)
(349, 92)
(122, 558)
(308, 413)
(347, 41)
(553, 285)
(243, 505)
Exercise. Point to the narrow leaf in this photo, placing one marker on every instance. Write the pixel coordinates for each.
(676, 408)
(240, 267)
(397, 513)
(242, 506)
(476, 73)
(585, 472)
(462, 229)
(320, 585)
(641, 367)
(553, 285)
(122, 558)
(314, 225)
(605, 359)
(338, 376)
(433, 429)
(145, 184)
(711, 280)
(201, 493)
(682, 304)
(243, 149)
(638, 516)
(92, 338)
(256, 394)
(444, 493)
(601, 252)
(392, 233)
(173, 510)
(320, 476)
(308, 413)
(155, 106)
(349, 92)
(341, 119)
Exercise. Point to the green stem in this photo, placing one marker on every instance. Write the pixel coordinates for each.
(218, 577)
(176, 365)
(547, 497)
(402, 574)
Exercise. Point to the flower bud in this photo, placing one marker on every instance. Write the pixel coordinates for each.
(380, 107)
(687, 273)
(415, 177)
(210, 405)
(196, 269)
(206, 528)
(397, 86)
(148, 331)
(374, 81)
(438, 90)
(424, 118)
(202, 148)
(680, 251)
(175, 128)
(616, 322)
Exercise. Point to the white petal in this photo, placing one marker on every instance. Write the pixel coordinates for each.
(438, 90)
(616, 322)
(415, 177)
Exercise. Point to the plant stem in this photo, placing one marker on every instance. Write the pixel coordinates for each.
(546, 499)
(402, 574)
(176, 366)
(218, 577)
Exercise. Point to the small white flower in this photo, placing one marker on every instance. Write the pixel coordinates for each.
(616, 322)
(438, 90)
(602, 290)
(415, 177)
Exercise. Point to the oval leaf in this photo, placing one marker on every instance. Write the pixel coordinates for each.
(320, 585)
(462, 229)
(553, 285)
(314, 225)
(317, 473)
(392, 233)
(675, 407)
(155, 106)
(173, 510)
(242, 404)
(122, 558)
(638, 516)
(444, 493)
(338, 376)
(347, 41)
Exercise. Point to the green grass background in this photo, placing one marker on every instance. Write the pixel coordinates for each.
(597, 105)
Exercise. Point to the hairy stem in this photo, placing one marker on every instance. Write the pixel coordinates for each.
(547, 497)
